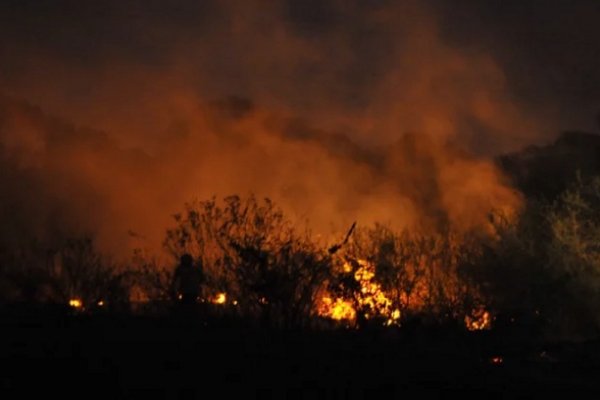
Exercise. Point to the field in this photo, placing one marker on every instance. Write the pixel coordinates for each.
(171, 357)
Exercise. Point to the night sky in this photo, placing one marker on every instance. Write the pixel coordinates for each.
(547, 50)
(116, 110)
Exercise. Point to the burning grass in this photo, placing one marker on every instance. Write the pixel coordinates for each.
(259, 266)
(257, 261)
(367, 297)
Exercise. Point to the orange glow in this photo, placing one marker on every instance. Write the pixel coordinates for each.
(76, 303)
(371, 298)
(347, 267)
(497, 360)
(338, 309)
(419, 178)
(220, 298)
(479, 320)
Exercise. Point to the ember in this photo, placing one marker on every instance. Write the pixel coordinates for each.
(479, 320)
(220, 298)
(76, 303)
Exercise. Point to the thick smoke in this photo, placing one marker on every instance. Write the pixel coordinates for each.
(338, 111)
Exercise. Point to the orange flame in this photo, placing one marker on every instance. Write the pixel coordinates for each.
(479, 320)
(76, 303)
(220, 298)
(338, 309)
(370, 298)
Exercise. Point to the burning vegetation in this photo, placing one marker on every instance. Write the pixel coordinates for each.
(177, 180)
(395, 130)
(76, 303)
(365, 296)
(271, 267)
(282, 276)
(259, 265)
(478, 320)
(220, 298)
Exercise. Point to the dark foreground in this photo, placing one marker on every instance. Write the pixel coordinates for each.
(142, 357)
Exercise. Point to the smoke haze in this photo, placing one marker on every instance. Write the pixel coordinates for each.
(116, 113)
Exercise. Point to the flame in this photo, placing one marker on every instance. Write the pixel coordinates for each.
(338, 309)
(372, 301)
(100, 303)
(479, 320)
(371, 298)
(220, 298)
(76, 303)
(395, 316)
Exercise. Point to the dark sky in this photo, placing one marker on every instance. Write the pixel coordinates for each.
(548, 49)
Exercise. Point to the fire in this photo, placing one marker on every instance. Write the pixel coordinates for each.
(479, 320)
(338, 309)
(371, 298)
(76, 303)
(220, 298)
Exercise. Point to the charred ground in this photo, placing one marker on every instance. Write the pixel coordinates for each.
(136, 357)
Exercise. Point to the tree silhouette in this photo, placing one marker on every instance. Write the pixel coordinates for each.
(252, 252)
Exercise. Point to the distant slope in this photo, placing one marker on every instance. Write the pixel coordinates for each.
(546, 171)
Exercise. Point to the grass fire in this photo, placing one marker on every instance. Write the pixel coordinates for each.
(299, 198)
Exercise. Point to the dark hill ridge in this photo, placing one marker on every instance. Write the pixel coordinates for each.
(546, 171)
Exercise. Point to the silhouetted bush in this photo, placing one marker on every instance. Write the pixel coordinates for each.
(150, 284)
(253, 253)
(75, 270)
(26, 274)
(420, 274)
(543, 271)
(540, 271)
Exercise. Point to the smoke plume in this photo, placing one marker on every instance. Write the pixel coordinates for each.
(116, 113)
